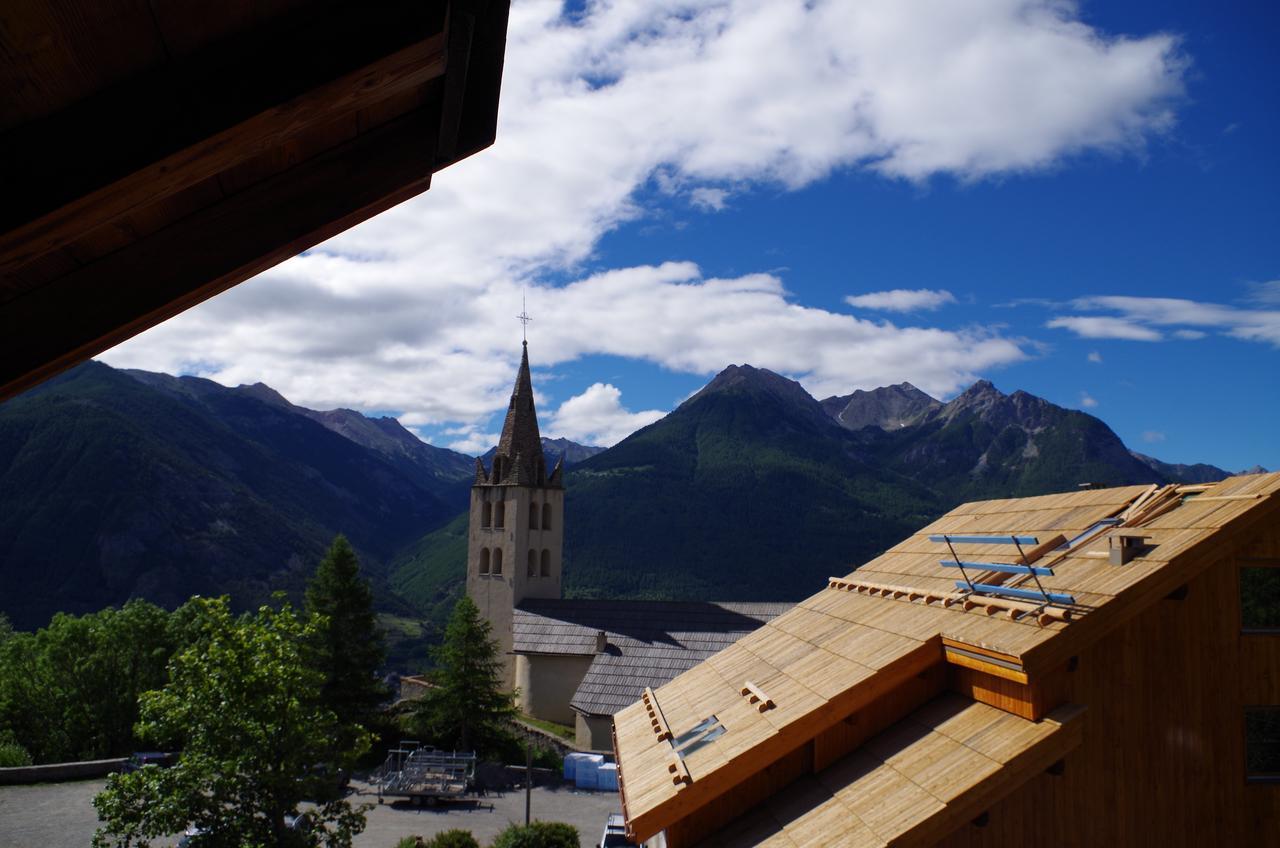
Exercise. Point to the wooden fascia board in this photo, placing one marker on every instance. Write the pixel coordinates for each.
(704, 789)
(477, 102)
(1226, 542)
(222, 146)
(124, 293)
(1004, 781)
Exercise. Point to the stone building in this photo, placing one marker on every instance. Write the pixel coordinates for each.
(574, 662)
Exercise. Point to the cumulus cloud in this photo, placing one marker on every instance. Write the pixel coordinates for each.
(902, 300)
(413, 310)
(473, 442)
(1095, 357)
(1087, 401)
(1137, 318)
(597, 417)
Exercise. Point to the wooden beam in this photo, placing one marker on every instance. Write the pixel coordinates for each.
(120, 129)
(404, 69)
(126, 292)
(754, 695)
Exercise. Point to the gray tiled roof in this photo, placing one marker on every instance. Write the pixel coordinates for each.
(648, 642)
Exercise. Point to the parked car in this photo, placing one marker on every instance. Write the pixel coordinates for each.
(140, 759)
(615, 834)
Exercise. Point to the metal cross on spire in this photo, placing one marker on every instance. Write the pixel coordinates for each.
(524, 319)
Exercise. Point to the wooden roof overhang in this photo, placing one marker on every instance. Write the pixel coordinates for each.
(841, 649)
(154, 154)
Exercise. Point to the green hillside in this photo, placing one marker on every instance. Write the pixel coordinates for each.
(111, 489)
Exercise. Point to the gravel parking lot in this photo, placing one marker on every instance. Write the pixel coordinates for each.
(61, 815)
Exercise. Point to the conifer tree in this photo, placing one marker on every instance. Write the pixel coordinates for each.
(349, 648)
(467, 708)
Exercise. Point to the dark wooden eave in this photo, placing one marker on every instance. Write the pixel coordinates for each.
(154, 154)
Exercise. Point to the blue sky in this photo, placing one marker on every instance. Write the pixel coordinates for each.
(1086, 194)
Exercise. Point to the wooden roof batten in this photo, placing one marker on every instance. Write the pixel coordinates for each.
(209, 145)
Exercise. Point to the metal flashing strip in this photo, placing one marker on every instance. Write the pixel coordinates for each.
(1021, 594)
(1002, 567)
(985, 658)
(1006, 539)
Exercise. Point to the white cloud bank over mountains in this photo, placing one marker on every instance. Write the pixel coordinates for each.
(413, 310)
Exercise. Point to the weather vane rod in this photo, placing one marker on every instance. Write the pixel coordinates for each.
(524, 320)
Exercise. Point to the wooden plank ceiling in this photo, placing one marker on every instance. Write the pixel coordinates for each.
(154, 154)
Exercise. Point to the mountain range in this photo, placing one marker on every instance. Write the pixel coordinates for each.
(116, 484)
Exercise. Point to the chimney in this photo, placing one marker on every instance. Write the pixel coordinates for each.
(602, 640)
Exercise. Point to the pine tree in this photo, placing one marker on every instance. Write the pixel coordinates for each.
(349, 647)
(466, 708)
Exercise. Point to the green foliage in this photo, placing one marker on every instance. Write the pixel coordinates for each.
(70, 690)
(538, 835)
(456, 838)
(256, 740)
(466, 709)
(349, 649)
(11, 751)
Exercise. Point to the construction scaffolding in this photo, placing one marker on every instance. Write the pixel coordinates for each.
(424, 774)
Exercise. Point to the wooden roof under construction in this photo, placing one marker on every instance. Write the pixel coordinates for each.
(874, 629)
(156, 153)
(918, 781)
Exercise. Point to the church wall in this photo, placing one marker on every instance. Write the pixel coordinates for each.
(547, 684)
(594, 733)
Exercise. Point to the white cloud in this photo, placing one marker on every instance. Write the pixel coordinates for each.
(1087, 401)
(1152, 436)
(709, 199)
(597, 417)
(1104, 327)
(475, 442)
(902, 300)
(1138, 317)
(1095, 357)
(412, 310)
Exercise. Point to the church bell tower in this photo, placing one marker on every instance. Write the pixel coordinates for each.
(516, 534)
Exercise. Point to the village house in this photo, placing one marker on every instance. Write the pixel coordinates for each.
(1072, 669)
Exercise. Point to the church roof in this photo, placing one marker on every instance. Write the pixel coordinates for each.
(647, 642)
(519, 459)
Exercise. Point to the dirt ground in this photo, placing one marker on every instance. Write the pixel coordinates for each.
(61, 815)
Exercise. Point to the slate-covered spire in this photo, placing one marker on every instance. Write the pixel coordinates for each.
(519, 458)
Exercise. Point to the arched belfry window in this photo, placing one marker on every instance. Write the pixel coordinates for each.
(546, 516)
(486, 514)
(546, 562)
(533, 563)
(533, 516)
(484, 560)
(497, 560)
(500, 515)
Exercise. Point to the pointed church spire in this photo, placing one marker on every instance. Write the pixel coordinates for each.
(519, 458)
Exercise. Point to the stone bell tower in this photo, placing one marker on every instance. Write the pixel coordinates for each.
(516, 533)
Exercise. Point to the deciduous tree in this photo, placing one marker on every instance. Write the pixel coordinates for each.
(256, 740)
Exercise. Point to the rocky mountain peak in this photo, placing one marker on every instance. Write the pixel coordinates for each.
(761, 382)
(888, 407)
